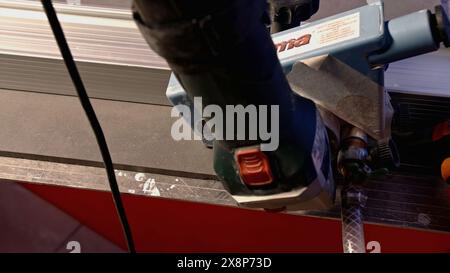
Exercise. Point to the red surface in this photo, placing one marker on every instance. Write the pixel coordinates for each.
(441, 130)
(162, 225)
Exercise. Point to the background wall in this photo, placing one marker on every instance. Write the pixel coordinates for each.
(393, 8)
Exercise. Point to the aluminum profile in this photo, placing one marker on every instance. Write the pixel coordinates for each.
(114, 60)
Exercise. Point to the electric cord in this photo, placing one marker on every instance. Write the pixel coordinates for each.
(92, 117)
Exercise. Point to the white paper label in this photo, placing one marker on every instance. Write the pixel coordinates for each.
(318, 36)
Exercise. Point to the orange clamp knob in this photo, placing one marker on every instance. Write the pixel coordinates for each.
(445, 170)
(254, 167)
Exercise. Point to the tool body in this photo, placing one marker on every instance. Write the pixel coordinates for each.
(361, 40)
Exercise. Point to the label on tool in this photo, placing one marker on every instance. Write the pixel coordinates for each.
(311, 38)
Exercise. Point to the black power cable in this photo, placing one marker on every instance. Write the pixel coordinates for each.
(90, 113)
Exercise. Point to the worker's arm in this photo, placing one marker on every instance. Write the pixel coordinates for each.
(221, 51)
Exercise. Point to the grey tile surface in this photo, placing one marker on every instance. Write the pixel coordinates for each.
(31, 224)
(28, 223)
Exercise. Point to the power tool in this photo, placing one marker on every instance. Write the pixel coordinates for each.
(364, 53)
(223, 53)
(334, 113)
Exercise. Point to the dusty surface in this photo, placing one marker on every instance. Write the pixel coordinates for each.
(401, 199)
